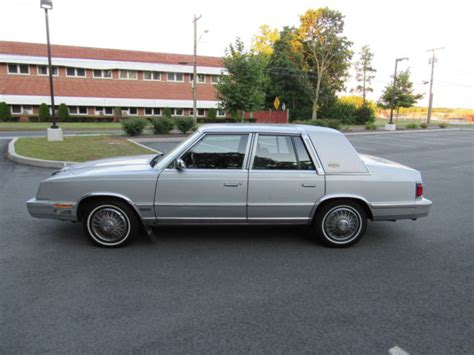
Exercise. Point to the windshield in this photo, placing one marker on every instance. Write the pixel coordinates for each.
(166, 156)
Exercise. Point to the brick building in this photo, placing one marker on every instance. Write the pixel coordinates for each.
(94, 81)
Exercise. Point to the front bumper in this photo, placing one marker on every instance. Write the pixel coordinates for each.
(64, 211)
(393, 211)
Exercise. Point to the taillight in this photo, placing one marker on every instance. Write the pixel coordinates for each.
(419, 189)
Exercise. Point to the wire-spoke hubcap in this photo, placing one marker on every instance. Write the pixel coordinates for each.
(342, 224)
(109, 224)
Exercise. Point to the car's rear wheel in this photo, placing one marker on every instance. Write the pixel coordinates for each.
(340, 223)
(110, 223)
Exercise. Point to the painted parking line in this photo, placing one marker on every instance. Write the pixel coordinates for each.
(396, 350)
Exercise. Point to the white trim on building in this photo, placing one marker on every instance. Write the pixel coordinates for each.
(107, 64)
(101, 101)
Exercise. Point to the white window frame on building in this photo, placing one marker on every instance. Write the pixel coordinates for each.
(104, 111)
(220, 113)
(18, 69)
(152, 111)
(76, 72)
(104, 74)
(200, 112)
(23, 109)
(129, 111)
(39, 67)
(128, 75)
(78, 110)
(215, 79)
(173, 77)
(200, 79)
(152, 75)
(176, 110)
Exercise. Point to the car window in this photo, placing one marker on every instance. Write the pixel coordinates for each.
(217, 152)
(304, 161)
(275, 152)
(282, 153)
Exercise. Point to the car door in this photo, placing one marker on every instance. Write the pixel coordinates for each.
(283, 182)
(211, 187)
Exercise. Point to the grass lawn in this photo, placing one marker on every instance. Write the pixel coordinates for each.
(40, 126)
(78, 149)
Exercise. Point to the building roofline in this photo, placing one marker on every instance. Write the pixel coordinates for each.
(32, 49)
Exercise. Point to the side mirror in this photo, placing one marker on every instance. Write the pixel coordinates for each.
(179, 164)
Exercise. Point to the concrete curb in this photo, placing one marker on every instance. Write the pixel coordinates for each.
(54, 164)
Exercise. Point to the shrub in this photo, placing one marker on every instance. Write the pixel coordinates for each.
(63, 112)
(212, 113)
(370, 126)
(335, 124)
(162, 125)
(345, 112)
(167, 112)
(364, 114)
(331, 123)
(424, 125)
(134, 126)
(442, 125)
(44, 114)
(411, 126)
(184, 124)
(5, 114)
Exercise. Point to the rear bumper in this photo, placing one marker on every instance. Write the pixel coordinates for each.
(393, 211)
(64, 211)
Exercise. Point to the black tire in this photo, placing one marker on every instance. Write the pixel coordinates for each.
(340, 223)
(110, 223)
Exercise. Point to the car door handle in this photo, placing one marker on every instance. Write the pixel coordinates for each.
(308, 185)
(231, 184)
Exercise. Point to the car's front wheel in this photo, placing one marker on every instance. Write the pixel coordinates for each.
(110, 223)
(340, 223)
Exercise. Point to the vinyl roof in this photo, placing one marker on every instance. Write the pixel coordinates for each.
(264, 128)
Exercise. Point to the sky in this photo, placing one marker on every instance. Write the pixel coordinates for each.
(393, 29)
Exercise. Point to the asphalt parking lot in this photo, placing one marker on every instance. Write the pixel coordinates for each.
(263, 290)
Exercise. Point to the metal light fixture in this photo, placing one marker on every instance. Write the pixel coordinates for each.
(47, 4)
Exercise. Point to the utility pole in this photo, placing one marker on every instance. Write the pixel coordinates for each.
(195, 20)
(430, 104)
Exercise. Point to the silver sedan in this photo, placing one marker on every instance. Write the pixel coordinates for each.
(236, 174)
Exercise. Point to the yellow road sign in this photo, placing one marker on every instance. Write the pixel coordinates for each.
(276, 103)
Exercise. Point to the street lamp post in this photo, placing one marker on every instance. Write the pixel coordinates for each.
(395, 88)
(196, 41)
(54, 132)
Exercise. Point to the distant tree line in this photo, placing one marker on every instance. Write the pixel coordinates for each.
(305, 67)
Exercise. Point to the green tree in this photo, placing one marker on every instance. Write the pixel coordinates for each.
(63, 112)
(365, 72)
(402, 96)
(44, 114)
(263, 42)
(5, 114)
(285, 75)
(242, 88)
(326, 53)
